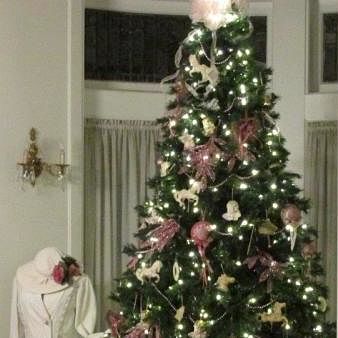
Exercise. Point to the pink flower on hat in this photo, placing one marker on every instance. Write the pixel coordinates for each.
(59, 273)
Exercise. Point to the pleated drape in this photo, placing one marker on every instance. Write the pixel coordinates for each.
(119, 158)
(321, 188)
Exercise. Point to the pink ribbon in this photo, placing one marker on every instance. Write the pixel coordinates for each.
(272, 267)
(203, 158)
(115, 321)
(161, 236)
(246, 129)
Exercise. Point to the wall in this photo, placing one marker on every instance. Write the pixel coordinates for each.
(41, 77)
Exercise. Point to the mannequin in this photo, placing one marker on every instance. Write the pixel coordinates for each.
(52, 299)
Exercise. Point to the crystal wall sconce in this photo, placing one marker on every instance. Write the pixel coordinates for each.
(32, 165)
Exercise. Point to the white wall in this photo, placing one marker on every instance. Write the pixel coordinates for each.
(41, 87)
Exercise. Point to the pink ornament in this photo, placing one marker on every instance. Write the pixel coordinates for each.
(200, 234)
(291, 215)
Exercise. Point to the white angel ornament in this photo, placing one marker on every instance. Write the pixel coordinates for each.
(233, 213)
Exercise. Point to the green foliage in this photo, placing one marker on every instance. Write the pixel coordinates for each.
(251, 172)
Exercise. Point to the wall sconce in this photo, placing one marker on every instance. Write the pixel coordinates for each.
(32, 165)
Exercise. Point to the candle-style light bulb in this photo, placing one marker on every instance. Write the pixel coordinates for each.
(62, 154)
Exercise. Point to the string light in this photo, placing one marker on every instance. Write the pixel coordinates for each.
(172, 123)
(244, 101)
(243, 186)
(242, 88)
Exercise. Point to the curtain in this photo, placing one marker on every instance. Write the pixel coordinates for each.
(321, 188)
(119, 158)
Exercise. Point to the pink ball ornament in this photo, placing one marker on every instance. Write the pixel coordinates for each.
(291, 214)
(200, 234)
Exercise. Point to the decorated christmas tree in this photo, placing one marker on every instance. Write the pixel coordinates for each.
(223, 251)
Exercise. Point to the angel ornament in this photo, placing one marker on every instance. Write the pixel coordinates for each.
(233, 213)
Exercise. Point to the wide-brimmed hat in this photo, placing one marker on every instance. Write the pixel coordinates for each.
(37, 275)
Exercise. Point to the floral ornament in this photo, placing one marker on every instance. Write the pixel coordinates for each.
(233, 213)
(161, 236)
(150, 273)
(224, 281)
(115, 321)
(271, 268)
(275, 315)
(199, 331)
(209, 74)
(66, 270)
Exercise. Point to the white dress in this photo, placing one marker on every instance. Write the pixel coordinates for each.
(69, 313)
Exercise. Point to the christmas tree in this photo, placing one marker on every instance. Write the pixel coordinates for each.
(223, 251)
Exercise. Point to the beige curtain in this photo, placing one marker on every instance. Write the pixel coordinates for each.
(321, 188)
(119, 158)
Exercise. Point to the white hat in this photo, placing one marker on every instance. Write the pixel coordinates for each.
(37, 275)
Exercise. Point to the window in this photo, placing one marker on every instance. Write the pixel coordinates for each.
(141, 47)
(330, 47)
